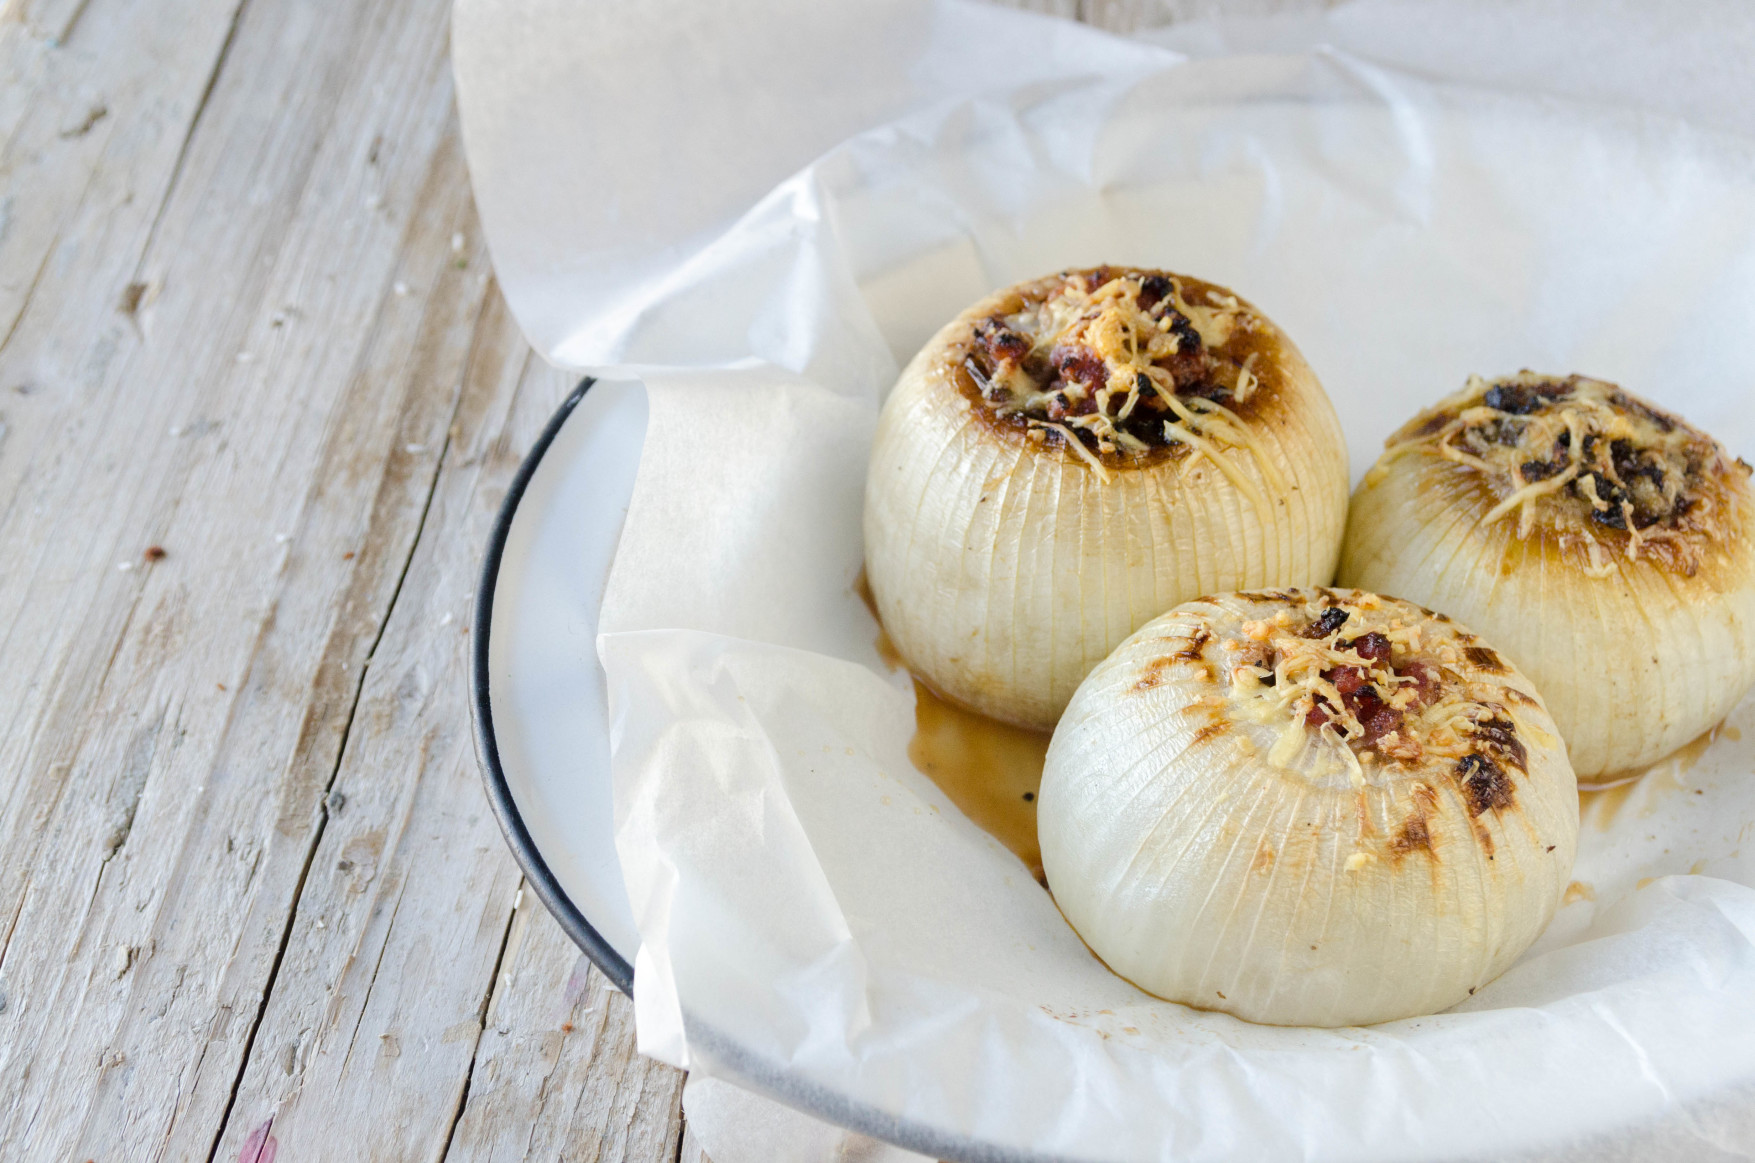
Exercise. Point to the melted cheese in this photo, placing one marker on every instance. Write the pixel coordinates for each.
(1582, 434)
(1129, 339)
(1442, 730)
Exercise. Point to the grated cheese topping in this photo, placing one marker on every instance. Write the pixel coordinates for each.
(1371, 682)
(1118, 363)
(1606, 471)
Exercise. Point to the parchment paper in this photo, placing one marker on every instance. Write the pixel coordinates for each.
(1562, 187)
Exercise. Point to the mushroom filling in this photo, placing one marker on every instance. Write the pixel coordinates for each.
(1392, 692)
(1590, 460)
(1121, 361)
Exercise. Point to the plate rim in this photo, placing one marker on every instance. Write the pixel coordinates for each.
(487, 749)
(746, 1068)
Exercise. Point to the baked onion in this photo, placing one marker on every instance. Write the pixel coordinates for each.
(1603, 544)
(1071, 457)
(1318, 807)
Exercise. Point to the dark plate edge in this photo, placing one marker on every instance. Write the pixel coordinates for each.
(768, 1077)
(493, 776)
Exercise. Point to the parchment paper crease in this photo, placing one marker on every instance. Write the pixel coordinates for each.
(764, 208)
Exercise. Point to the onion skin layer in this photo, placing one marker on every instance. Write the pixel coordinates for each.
(1206, 875)
(1003, 570)
(1632, 665)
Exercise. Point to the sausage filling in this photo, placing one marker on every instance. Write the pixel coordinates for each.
(1388, 689)
(1118, 361)
(1588, 459)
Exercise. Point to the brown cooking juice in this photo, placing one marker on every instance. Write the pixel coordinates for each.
(1601, 803)
(989, 769)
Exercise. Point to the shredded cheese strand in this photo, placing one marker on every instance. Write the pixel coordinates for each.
(1078, 446)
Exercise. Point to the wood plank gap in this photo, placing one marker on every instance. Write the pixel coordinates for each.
(487, 999)
(353, 1036)
(12, 926)
(66, 33)
(132, 807)
(684, 1140)
(341, 751)
(225, 52)
(30, 291)
(273, 972)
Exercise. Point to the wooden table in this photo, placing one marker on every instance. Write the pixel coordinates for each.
(259, 401)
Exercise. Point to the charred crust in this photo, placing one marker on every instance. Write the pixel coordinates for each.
(1191, 650)
(1153, 674)
(1283, 597)
(1433, 424)
(1326, 623)
(1499, 735)
(1414, 835)
(1519, 399)
(1208, 733)
(1541, 470)
(1485, 658)
(1664, 421)
(1485, 787)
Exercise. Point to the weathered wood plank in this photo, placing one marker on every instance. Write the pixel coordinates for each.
(1067, 9)
(1128, 16)
(173, 728)
(556, 1075)
(375, 1014)
(77, 205)
(92, 121)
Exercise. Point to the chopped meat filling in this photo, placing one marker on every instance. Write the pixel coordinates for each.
(1372, 690)
(1119, 360)
(1588, 458)
(1362, 688)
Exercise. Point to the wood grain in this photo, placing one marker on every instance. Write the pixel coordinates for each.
(245, 842)
(259, 401)
(557, 1076)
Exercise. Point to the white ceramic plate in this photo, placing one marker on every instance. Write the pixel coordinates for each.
(541, 714)
(542, 724)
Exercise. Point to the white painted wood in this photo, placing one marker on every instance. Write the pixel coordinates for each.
(556, 1075)
(1128, 16)
(273, 417)
(378, 1004)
